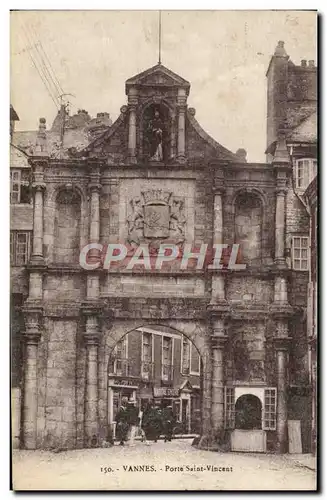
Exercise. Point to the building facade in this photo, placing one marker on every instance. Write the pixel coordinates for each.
(160, 365)
(152, 177)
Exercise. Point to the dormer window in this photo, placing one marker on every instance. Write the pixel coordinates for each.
(305, 172)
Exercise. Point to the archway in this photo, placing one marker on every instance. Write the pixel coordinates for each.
(248, 412)
(159, 366)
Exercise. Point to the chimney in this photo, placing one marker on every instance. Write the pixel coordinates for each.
(311, 64)
(304, 63)
(280, 50)
(241, 153)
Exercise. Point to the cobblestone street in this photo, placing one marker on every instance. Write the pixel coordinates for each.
(177, 465)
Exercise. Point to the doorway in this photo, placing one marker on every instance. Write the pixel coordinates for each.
(248, 412)
(248, 435)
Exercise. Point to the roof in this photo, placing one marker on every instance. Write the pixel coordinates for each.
(13, 115)
(306, 131)
(73, 138)
(223, 153)
(18, 159)
(158, 75)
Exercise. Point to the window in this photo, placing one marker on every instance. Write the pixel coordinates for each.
(20, 186)
(167, 358)
(269, 414)
(195, 361)
(147, 365)
(300, 252)
(190, 358)
(305, 172)
(186, 355)
(119, 361)
(229, 407)
(19, 248)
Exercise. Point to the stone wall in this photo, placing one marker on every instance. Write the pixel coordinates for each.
(247, 289)
(67, 287)
(152, 285)
(59, 398)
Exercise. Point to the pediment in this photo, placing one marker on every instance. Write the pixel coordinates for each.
(158, 75)
(186, 386)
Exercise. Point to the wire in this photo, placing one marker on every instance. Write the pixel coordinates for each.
(48, 62)
(54, 89)
(43, 80)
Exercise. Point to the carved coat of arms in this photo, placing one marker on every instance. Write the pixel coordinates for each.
(156, 216)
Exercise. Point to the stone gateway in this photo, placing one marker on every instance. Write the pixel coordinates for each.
(154, 175)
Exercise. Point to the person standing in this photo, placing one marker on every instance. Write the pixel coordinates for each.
(168, 422)
(122, 425)
(133, 420)
(152, 422)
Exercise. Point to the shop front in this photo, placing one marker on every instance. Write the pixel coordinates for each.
(185, 401)
(119, 390)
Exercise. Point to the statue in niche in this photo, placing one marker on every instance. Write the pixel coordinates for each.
(155, 135)
(156, 131)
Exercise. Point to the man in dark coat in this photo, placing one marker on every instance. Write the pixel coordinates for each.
(152, 422)
(122, 424)
(168, 422)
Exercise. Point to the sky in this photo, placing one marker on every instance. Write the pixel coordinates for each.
(223, 54)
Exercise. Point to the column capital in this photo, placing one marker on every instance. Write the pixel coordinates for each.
(94, 187)
(281, 310)
(181, 107)
(36, 264)
(219, 309)
(39, 161)
(281, 190)
(280, 264)
(218, 341)
(282, 343)
(91, 308)
(91, 339)
(219, 189)
(39, 186)
(132, 105)
(32, 338)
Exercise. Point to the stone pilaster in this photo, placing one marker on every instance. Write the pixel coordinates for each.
(280, 226)
(218, 276)
(218, 341)
(206, 428)
(94, 187)
(36, 266)
(181, 101)
(132, 105)
(32, 335)
(281, 344)
(173, 136)
(91, 339)
(282, 165)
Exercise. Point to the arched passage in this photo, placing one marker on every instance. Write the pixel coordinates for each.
(158, 364)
